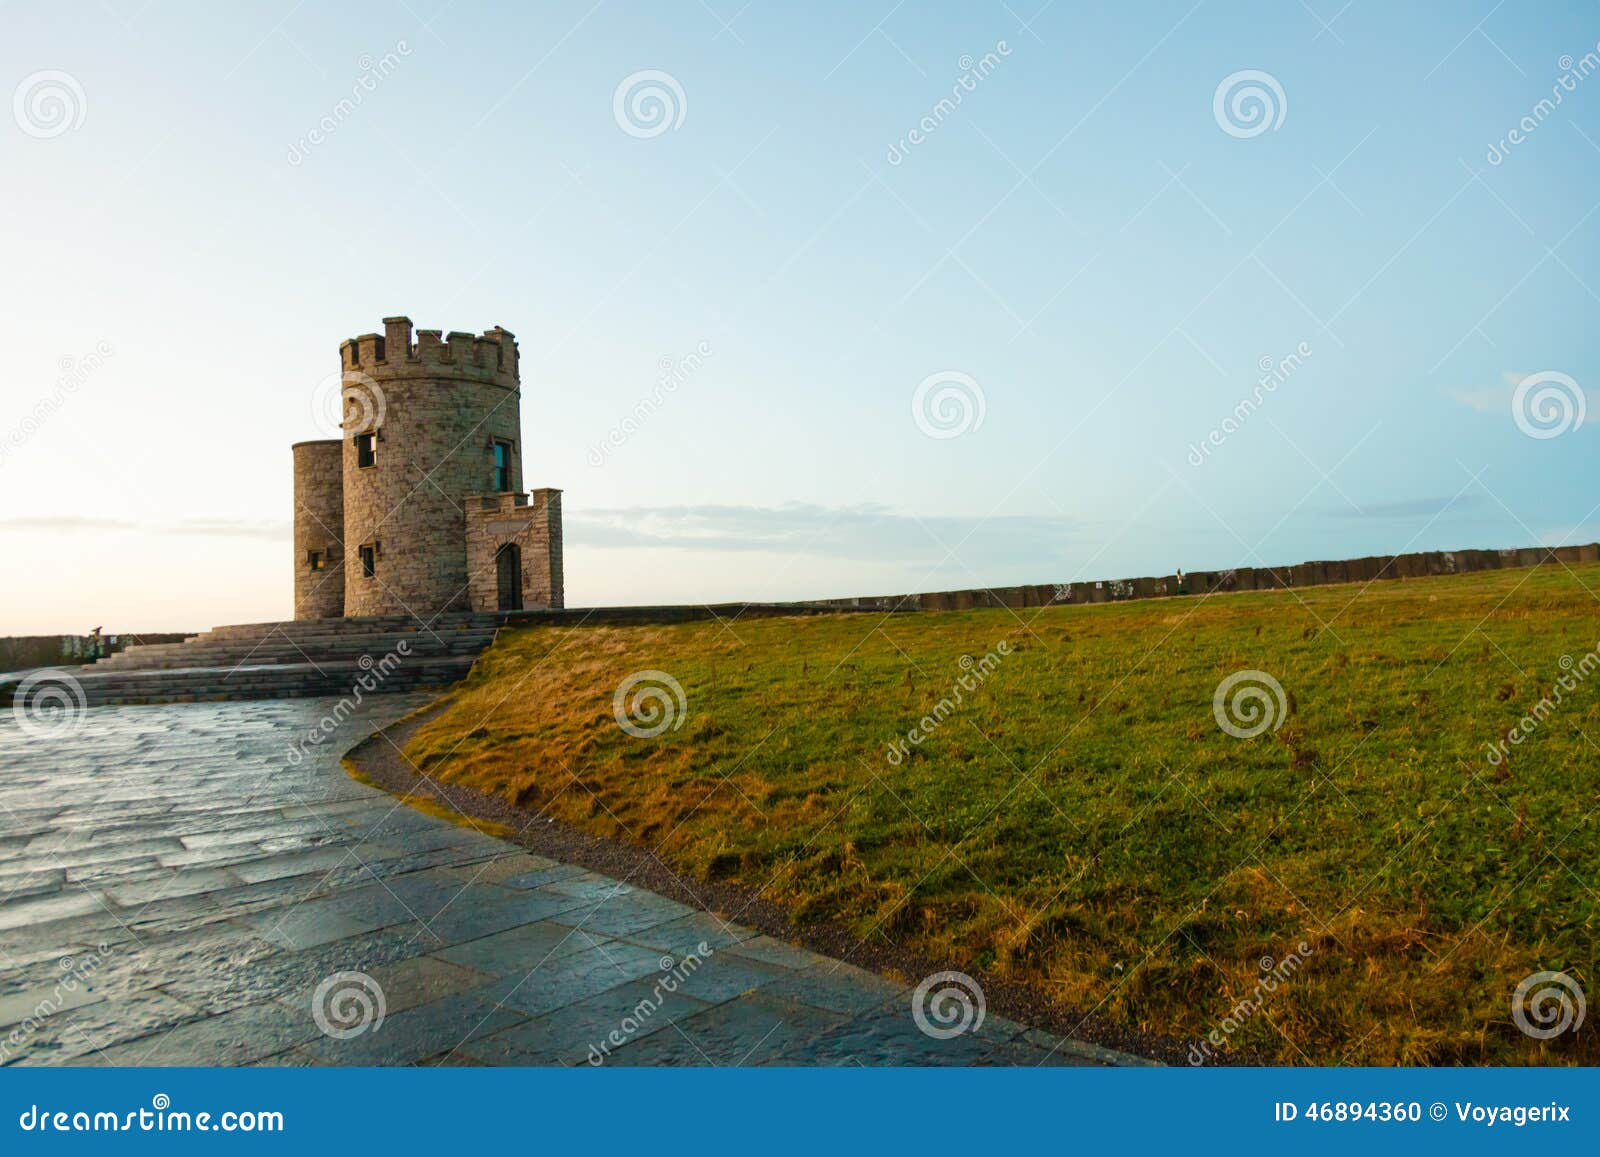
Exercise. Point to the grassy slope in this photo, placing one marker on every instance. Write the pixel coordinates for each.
(1083, 823)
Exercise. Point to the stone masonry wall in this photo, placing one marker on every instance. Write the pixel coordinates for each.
(436, 407)
(318, 526)
(496, 520)
(1358, 570)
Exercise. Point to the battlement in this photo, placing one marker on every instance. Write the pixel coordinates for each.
(511, 501)
(507, 502)
(490, 356)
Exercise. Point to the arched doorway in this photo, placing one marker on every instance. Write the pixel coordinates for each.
(508, 577)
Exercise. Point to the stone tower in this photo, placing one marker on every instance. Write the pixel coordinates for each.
(420, 507)
(319, 529)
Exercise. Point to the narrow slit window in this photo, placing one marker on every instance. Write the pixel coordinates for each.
(366, 450)
(369, 562)
(502, 466)
(316, 561)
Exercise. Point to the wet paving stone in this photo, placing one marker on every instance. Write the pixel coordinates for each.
(234, 1038)
(502, 868)
(837, 987)
(1024, 1054)
(216, 898)
(752, 1031)
(539, 877)
(687, 935)
(521, 949)
(63, 993)
(890, 1036)
(422, 979)
(590, 1030)
(557, 983)
(77, 1036)
(413, 1036)
(477, 913)
(771, 951)
(47, 909)
(294, 975)
(640, 912)
(722, 977)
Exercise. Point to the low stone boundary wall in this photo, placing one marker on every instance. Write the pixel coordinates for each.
(651, 616)
(1357, 570)
(19, 652)
(1306, 574)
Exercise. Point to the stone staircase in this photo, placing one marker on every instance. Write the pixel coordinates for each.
(334, 657)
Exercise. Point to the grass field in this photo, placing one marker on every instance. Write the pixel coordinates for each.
(1080, 821)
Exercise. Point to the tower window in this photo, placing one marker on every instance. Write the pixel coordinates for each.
(366, 450)
(369, 561)
(502, 466)
(316, 561)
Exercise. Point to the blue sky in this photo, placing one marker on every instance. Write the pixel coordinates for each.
(1081, 240)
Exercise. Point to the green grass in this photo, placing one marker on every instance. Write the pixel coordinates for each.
(1082, 824)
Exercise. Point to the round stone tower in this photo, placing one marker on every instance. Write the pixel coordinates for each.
(426, 425)
(318, 529)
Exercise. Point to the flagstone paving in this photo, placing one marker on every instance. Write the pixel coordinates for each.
(200, 885)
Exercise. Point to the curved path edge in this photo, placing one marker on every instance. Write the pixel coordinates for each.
(1059, 1036)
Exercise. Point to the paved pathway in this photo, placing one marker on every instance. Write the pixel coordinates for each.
(177, 888)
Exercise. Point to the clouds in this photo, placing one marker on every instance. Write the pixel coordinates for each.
(270, 530)
(865, 531)
(1411, 507)
(1498, 400)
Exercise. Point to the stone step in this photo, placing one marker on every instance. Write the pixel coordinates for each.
(228, 653)
(316, 628)
(274, 681)
(284, 660)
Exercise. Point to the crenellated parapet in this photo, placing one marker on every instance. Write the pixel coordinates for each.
(487, 357)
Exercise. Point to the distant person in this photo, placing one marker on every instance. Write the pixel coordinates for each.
(1182, 590)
